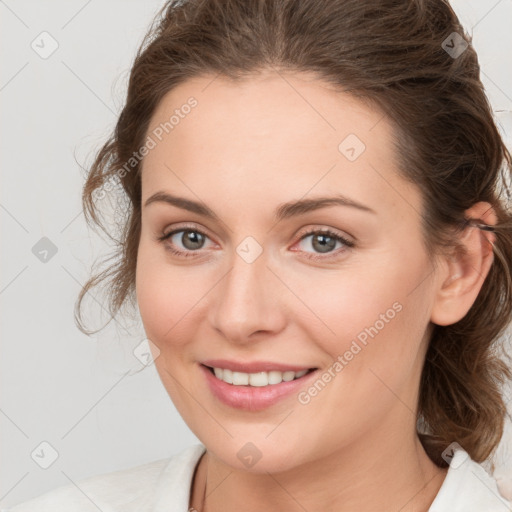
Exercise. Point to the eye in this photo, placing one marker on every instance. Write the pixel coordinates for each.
(324, 241)
(191, 239)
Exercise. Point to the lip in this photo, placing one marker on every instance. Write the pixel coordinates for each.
(253, 398)
(253, 367)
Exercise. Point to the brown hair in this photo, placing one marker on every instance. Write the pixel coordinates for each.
(394, 55)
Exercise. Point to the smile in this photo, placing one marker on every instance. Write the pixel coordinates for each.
(258, 379)
(255, 390)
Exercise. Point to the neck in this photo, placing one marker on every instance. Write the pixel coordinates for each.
(382, 473)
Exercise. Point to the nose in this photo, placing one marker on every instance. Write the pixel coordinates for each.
(248, 302)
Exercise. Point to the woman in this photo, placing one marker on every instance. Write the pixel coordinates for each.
(318, 243)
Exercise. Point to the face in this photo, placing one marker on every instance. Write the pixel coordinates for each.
(248, 283)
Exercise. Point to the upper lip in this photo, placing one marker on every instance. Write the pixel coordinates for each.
(253, 366)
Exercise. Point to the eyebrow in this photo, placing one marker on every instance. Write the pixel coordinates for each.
(282, 212)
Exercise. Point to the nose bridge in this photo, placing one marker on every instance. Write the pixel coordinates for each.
(246, 302)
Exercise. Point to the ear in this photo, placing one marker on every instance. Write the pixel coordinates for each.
(462, 274)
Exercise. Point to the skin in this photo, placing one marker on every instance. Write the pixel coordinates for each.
(243, 150)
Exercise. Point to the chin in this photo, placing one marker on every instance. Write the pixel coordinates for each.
(257, 457)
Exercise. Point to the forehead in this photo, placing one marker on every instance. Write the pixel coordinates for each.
(289, 106)
(277, 134)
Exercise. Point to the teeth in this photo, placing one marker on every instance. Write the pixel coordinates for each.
(256, 379)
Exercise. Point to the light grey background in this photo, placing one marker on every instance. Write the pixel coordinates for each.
(82, 394)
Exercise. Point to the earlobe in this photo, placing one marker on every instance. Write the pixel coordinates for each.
(465, 270)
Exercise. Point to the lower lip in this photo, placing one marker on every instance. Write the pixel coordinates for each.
(252, 398)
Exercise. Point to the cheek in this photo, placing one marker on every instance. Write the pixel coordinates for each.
(374, 364)
(167, 305)
(166, 297)
(371, 319)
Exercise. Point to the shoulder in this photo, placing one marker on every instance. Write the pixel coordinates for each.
(468, 486)
(128, 490)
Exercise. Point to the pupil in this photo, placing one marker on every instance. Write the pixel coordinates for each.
(324, 245)
(190, 238)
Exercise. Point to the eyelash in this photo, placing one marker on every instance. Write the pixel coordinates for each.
(187, 254)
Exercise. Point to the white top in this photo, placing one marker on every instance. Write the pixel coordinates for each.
(164, 486)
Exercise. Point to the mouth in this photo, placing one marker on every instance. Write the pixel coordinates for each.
(255, 391)
(257, 379)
